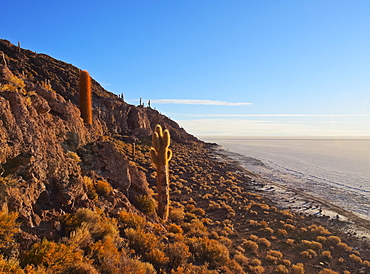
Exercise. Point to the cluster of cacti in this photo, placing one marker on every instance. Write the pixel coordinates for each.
(85, 97)
(161, 155)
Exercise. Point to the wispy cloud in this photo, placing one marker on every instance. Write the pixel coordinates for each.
(197, 102)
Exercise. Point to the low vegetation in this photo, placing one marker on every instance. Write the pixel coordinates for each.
(201, 235)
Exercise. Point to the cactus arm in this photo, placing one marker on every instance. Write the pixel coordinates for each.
(156, 141)
(154, 157)
(166, 138)
(169, 155)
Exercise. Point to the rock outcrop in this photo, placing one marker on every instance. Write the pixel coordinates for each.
(46, 149)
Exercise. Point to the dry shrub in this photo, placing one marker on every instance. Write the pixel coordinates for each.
(309, 254)
(264, 242)
(10, 266)
(333, 240)
(282, 269)
(275, 253)
(195, 228)
(255, 262)
(13, 83)
(282, 233)
(287, 214)
(228, 230)
(156, 257)
(106, 227)
(264, 224)
(87, 216)
(253, 212)
(106, 254)
(241, 259)
(190, 207)
(84, 268)
(73, 155)
(289, 227)
(312, 245)
(178, 254)
(55, 256)
(366, 263)
(250, 245)
(209, 250)
(81, 237)
(131, 220)
(326, 254)
(268, 230)
(225, 241)
(146, 204)
(290, 242)
(297, 269)
(103, 188)
(257, 269)
(173, 228)
(213, 205)
(207, 221)
(98, 226)
(176, 215)
(318, 229)
(140, 240)
(344, 246)
(192, 269)
(232, 267)
(253, 238)
(198, 211)
(253, 223)
(271, 259)
(91, 192)
(8, 227)
(321, 239)
(355, 258)
(111, 260)
(286, 263)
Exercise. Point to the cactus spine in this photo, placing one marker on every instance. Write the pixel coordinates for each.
(85, 96)
(161, 155)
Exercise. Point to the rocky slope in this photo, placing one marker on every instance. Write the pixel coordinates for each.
(43, 139)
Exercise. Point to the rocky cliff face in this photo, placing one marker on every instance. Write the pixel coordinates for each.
(46, 149)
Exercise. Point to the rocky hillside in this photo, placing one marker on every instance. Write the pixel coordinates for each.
(78, 198)
(43, 139)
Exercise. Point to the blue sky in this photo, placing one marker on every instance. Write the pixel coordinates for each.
(254, 68)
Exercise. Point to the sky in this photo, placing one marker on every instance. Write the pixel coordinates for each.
(216, 67)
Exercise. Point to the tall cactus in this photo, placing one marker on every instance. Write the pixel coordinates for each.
(161, 155)
(85, 96)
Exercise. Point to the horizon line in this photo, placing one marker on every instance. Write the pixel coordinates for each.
(272, 115)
